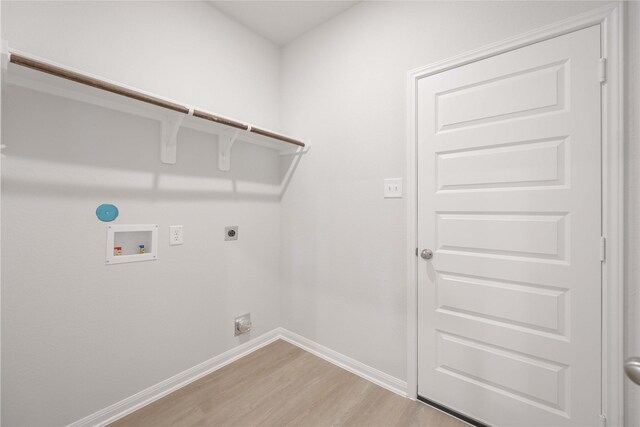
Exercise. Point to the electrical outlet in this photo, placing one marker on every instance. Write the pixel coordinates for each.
(175, 235)
(393, 188)
(242, 324)
(231, 232)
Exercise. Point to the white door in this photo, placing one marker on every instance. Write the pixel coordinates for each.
(509, 200)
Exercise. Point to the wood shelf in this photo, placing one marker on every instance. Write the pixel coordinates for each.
(27, 71)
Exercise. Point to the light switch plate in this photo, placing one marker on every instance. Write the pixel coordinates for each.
(393, 188)
(176, 235)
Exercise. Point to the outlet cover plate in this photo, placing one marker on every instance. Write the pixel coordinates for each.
(176, 235)
(393, 188)
(242, 324)
(231, 232)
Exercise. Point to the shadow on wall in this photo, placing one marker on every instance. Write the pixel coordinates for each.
(59, 147)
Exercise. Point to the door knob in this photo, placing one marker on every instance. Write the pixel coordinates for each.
(632, 368)
(426, 254)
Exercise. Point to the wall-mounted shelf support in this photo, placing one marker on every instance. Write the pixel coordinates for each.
(169, 137)
(26, 71)
(225, 142)
(299, 151)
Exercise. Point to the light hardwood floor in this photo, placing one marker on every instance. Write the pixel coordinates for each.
(283, 385)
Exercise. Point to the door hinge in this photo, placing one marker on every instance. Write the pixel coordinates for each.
(602, 70)
(603, 248)
(603, 421)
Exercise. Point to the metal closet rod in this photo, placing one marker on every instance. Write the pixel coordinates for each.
(119, 90)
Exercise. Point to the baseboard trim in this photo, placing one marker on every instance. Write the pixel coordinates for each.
(367, 372)
(158, 391)
(153, 393)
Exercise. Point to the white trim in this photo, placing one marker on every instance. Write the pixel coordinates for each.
(611, 20)
(411, 185)
(163, 388)
(613, 212)
(367, 372)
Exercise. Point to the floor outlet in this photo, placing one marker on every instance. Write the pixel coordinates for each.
(175, 235)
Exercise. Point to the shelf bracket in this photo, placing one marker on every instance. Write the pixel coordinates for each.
(225, 142)
(296, 152)
(169, 137)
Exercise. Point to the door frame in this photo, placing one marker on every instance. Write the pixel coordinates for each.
(611, 19)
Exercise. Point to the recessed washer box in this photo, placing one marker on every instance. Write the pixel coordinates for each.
(124, 241)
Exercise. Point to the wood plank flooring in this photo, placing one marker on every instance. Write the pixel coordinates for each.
(283, 385)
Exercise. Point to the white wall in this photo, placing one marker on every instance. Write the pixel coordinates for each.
(77, 335)
(344, 87)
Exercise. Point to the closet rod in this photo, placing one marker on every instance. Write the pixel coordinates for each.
(129, 93)
(213, 118)
(276, 136)
(90, 81)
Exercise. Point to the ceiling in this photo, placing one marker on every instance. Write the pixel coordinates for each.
(282, 21)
